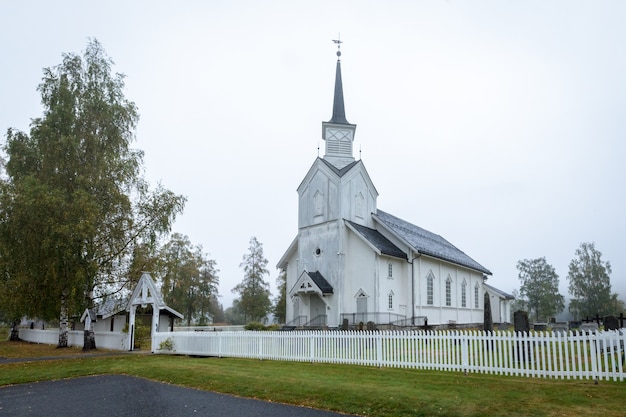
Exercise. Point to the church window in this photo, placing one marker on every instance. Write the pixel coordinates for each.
(464, 294)
(476, 296)
(318, 251)
(390, 270)
(449, 291)
(390, 299)
(429, 288)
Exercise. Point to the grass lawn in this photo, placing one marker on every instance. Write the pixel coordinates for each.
(360, 390)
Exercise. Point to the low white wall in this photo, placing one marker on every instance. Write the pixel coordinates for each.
(104, 340)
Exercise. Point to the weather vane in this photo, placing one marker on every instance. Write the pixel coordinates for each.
(338, 42)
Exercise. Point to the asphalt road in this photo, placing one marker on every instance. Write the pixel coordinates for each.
(121, 396)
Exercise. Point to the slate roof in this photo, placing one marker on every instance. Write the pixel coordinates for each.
(321, 282)
(427, 243)
(379, 241)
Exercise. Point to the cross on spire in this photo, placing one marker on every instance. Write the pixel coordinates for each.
(338, 42)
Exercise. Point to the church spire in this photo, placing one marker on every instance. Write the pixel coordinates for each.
(338, 132)
(339, 111)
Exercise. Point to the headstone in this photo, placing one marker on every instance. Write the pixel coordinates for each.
(522, 324)
(589, 327)
(371, 325)
(560, 327)
(540, 327)
(488, 318)
(345, 325)
(611, 323)
(520, 321)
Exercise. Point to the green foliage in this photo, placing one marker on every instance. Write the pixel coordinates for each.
(254, 294)
(255, 325)
(167, 344)
(142, 336)
(234, 314)
(280, 303)
(540, 288)
(189, 279)
(590, 284)
(74, 203)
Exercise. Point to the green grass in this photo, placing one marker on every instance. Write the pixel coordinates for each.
(365, 391)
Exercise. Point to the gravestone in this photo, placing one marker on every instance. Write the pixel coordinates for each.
(540, 327)
(560, 327)
(520, 321)
(589, 327)
(488, 318)
(345, 325)
(522, 324)
(371, 325)
(611, 323)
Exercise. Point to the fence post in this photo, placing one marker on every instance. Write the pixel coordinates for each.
(463, 340)
(379, 348)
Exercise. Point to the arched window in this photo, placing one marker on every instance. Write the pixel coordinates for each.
(429, 288)
(476, 296)
(448, 291)
(390, 270)
(390, 299)
(464, 294)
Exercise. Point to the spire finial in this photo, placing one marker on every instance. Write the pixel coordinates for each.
(338, 42)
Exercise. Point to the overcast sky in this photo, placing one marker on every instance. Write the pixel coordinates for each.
(500, 126)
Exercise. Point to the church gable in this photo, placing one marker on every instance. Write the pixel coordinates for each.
(311, 282)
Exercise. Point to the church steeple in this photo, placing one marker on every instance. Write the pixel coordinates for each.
(338, 132)
(339, 111)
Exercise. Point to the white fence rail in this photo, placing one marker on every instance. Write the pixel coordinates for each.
(104, 340)
(573, 355)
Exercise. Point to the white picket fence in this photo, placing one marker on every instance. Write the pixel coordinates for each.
(104, 340)
(572, 355)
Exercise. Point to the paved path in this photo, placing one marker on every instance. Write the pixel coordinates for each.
(121, 396)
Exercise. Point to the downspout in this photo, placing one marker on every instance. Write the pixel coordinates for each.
(412, 262)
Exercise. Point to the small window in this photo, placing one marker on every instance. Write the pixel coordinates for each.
(318, 251)
(429, 289)
(390, 298)
(390, 270)
(449, 292)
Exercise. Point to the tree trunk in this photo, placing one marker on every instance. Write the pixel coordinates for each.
(63, 320)
(89, 338)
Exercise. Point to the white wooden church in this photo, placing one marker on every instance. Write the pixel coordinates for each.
(352, 263)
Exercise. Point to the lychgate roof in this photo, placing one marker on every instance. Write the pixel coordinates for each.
(427, 243)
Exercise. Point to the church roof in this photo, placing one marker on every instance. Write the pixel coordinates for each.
(498, 292)
(427, 243)
(379, 241)
(321, 282)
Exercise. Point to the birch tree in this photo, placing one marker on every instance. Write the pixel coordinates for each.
(74, 203)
